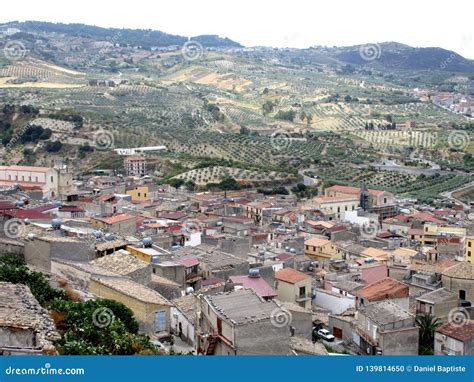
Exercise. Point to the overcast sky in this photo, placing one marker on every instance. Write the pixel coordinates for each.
(279, 23)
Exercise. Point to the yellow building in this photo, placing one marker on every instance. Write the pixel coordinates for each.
(432, 231)
(150, 308)
(139, 194)
(148, 255)
(377, 254)
(404, 255)
(319, 249)
(470, 249)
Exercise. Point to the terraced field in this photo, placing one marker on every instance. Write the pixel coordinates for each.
(421, 187)
(216, 174)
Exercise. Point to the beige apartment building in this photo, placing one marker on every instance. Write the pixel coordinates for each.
(293, 286)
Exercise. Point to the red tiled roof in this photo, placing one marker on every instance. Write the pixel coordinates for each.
(27, 214)
(116, 219)
(284, 256)
(174, 228)
(387, 288)
(425, 216)
(104, 198)
(212, 281)
(463, 333)
(289, 275)
(257, 284)
(43, 208)
(7, 206)
(24, 168)
(189, 262)
(416, 231)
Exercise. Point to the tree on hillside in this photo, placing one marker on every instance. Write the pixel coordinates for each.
(267, 107)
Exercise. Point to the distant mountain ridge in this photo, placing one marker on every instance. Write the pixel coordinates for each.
(393, 55)
(384, 56)
(146, 38)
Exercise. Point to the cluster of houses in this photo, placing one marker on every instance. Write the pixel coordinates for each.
(457, 103)
(240, 273)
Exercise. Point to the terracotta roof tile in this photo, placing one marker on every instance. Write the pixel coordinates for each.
(290, 275)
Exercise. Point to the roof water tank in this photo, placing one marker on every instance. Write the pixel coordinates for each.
(254, 272)
(56, 223)
(97, 234)
(109, 237)
(147, 242)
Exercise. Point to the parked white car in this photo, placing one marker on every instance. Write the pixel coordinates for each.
(326, 335)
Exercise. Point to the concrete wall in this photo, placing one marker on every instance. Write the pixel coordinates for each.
(174, 273)
(455, 285)
(142, 275)
(72, 250)
(11, 248)
(403, 342)
(239, 247)
(301, 322)
(345, 326)
(38, 254)
(238, 269)
(334, 302)
(397, 273)
(262, 338)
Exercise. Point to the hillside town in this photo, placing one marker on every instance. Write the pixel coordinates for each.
(349, 271)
